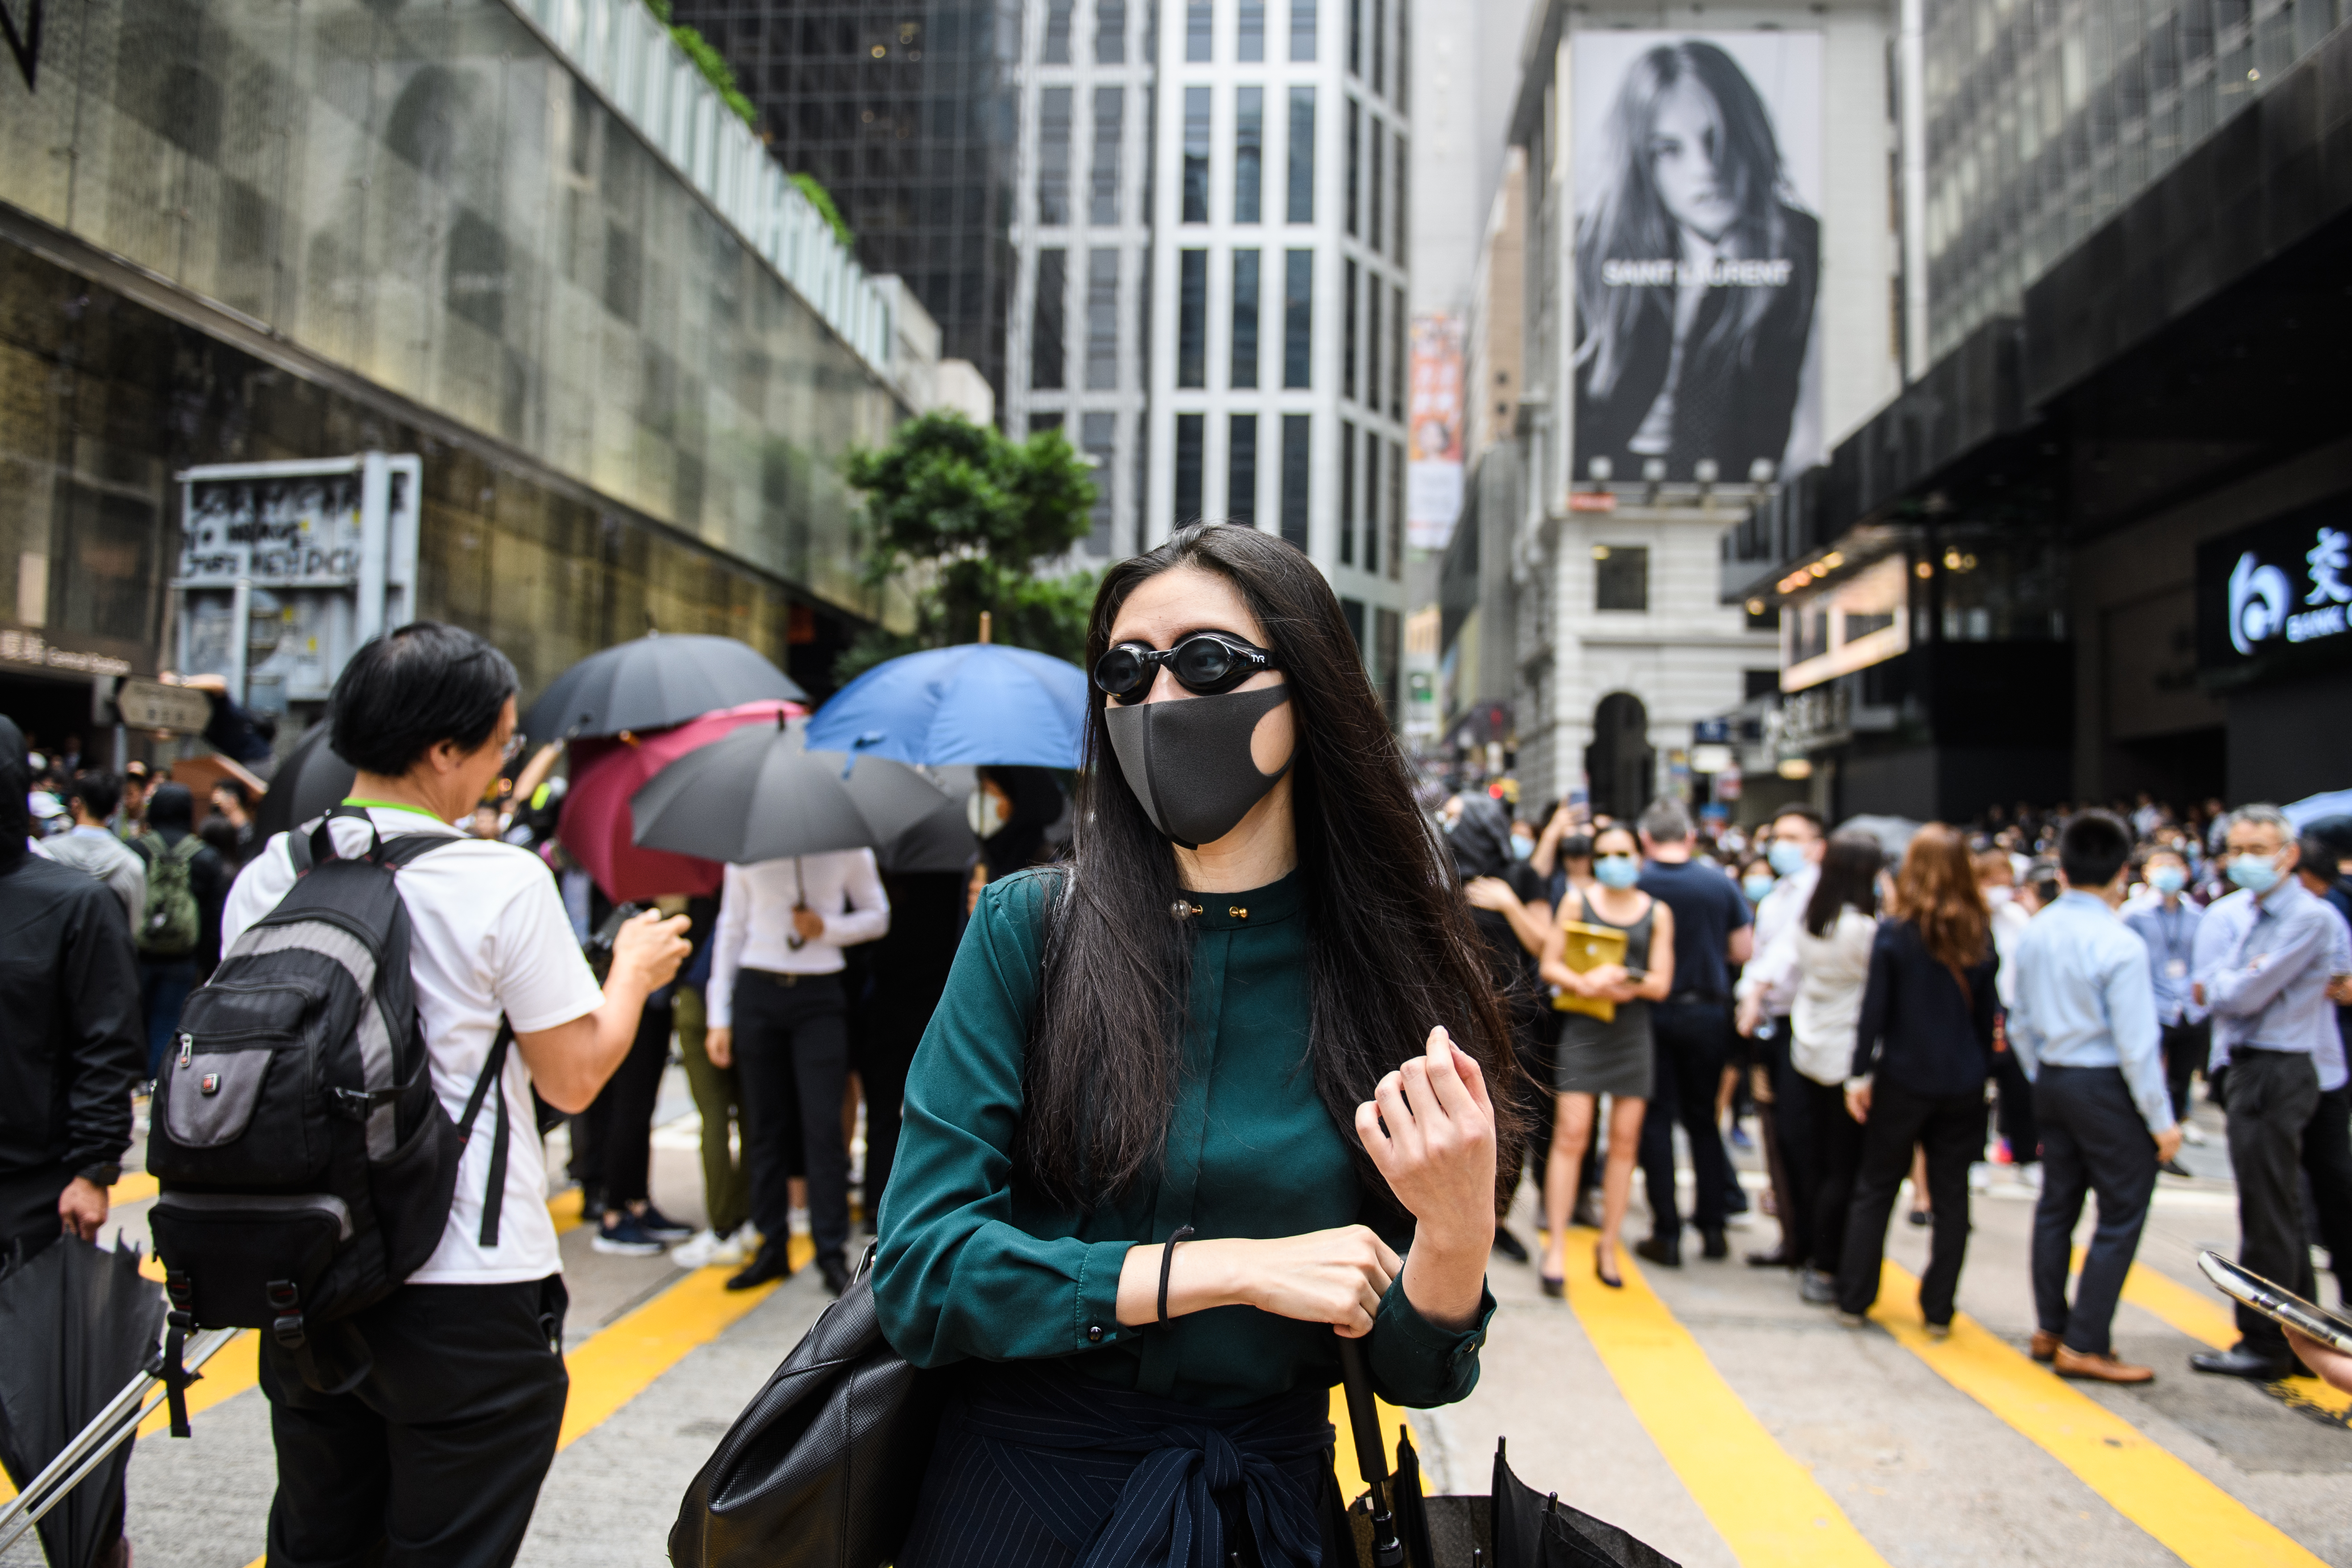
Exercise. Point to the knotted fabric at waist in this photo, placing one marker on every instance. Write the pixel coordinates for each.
(1068, 1446)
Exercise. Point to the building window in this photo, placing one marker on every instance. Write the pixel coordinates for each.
(1347, 334)
(1347, 493)
(1371, 502)
(1404, 234)
(1372, 345)
(1058, 32)
(1102, 321)
(1249, 151)
(1054, 156)
(1110, 32)
(1241, 471)
(1045, 321)
(1388, 654)
(1245, 316)
(1188, 467)
(1192, 318)
(1199, 19)
(1141, 485)
(1302, 30)
(1041, 420)
(1196, 154)
(1096, 433)
(1620, 577)
(1396, 510)
(1380, 46)
(1111, 128)
(1355, 38)
(1143, 304)
(1355, 156)
(1249, 41)
(1298, 317)
(1302, 154)
(1380, 183)
(1353, 612)
(1396, 356)
(1298, 463)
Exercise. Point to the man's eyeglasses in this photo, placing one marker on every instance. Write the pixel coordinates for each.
(513, 748)
(1206, 664)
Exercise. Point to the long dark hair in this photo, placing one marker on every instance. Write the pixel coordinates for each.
(1391, 949)
(1937, 891)
(1850, 868)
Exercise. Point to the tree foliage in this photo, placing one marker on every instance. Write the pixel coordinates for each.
(971, 515)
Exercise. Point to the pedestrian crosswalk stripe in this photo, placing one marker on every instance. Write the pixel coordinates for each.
(620, 1363)
(1766, 1505)
(2206, 1318)
(2201, 1523)
(134, 1187)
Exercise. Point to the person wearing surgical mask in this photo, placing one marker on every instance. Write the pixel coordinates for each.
(1192, 1093)
(1766, 993)
(2167, 920)
(2270, 962)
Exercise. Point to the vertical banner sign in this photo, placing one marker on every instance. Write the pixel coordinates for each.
(1698, 247)
(1433, 477)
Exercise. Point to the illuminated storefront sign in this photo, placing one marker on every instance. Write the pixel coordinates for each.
(2276, 598)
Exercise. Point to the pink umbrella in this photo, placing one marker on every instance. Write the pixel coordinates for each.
(605, 773)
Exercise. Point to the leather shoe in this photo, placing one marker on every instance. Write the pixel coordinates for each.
(1778, 1258)
(2071, 1363)
(1510, 1245)
(1817, 1288)
(1712, 1245)
(2240, 1362)
(835, 1273)
(2045, 1346)
(768, 1263)
(1658, 1250)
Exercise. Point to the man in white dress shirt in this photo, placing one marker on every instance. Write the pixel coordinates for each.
(775, 975)
(1767, 993)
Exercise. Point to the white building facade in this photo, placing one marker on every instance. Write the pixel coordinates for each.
(1211, 298)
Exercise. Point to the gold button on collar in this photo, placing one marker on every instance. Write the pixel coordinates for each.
(1238, 912)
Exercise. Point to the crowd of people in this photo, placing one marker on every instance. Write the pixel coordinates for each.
(1888, 1003)
(1901, 1003)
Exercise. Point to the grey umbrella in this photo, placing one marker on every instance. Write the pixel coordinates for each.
(1892, 833)
(653, 682)
(757, 795)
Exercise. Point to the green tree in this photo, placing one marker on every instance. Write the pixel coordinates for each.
(970, 515)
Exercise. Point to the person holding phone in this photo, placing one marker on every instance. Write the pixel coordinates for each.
(1226, 1081)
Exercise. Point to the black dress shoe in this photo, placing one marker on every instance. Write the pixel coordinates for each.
(768, 1263)
(835, 1273)
(2240, 1362)
(1713, 1246)
(1778, 1258)
(1510, 1245)
(1656, 1249)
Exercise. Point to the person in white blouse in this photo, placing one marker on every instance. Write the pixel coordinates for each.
(776, 974)
(1832, 945)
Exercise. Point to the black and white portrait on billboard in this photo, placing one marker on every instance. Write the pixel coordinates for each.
(1697, 165)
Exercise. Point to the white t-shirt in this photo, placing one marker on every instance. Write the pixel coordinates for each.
(486, 935)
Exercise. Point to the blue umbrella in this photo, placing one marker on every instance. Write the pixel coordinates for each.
(980, 703)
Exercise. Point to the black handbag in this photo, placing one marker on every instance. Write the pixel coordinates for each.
(818, 1470)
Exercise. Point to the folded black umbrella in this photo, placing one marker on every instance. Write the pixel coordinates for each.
(757, 795)
(311, 781)
(653, 682)
(76, 1323)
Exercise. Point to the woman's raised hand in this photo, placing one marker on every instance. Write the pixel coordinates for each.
(1430, 1129)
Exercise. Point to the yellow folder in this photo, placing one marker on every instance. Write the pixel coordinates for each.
(1587, 948)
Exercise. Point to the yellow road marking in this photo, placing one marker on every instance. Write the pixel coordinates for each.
(2206, 1318)
(2164, 1495)
(134, 1187)
(234, 1368)
(1343, 1452)
(617, 1365)
(1766, 1507)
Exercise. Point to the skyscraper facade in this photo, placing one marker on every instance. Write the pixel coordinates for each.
(1210, 220)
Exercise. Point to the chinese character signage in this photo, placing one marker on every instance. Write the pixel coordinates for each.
(2274, 599)
(1434, 482)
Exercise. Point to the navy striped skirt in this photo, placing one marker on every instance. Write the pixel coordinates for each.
(1039, 1467)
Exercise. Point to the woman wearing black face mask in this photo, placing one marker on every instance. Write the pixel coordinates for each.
(1214, 1088)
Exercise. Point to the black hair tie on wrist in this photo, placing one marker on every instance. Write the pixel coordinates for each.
(1168, 1262)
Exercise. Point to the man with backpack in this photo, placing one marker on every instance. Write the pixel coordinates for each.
(179, 931)
(416, 1428)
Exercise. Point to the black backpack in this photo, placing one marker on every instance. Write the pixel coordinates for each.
(306, 1166)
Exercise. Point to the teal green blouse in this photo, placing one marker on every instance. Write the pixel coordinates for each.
(971, 1267)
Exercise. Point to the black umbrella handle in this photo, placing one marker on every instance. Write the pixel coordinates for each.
(1371, 1457)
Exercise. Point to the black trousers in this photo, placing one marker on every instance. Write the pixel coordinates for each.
(2094, 1140)
(2327, 1161)
(882, 1049)
(2272, 1095)
(612, 1140)
(791, 1056)
(2014, 1093)
(1951, 1127)
(1693, 1038)
(1834, 1152)
(1788, 1144)
(436, 1458)
(2185, 1046)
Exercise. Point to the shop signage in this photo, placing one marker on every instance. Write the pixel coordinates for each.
(151, 705)
(2276, 598)
(32, 648)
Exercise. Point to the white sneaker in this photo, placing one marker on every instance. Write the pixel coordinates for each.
(797, 1222)
(706, 1248)
(2192, 1135)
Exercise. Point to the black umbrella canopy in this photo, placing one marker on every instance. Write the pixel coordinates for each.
(757, 795)
(653, 683)
(76, 1324)
(940, 842)
(311, 781)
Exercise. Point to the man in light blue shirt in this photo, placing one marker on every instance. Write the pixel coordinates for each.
(2167, 920)
(2266, 957)
(2083, 1028)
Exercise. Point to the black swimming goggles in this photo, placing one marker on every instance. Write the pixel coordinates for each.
(1206, 664)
